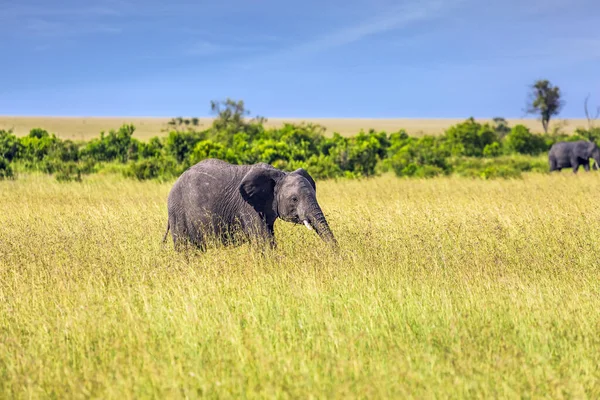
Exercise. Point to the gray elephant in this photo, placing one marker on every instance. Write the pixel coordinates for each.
(572, 155)
(220, 200)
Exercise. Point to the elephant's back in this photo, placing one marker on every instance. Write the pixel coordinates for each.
(561, 148)
(584, 146)
(209, 179)
(216, 171)
(209, 187)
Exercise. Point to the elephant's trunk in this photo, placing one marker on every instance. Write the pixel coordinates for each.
(315, 219)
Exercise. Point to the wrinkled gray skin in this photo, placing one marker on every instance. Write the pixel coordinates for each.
(215, 198)
(572, 155)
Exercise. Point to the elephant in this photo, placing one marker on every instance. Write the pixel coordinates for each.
(573, 154)
(214, 198)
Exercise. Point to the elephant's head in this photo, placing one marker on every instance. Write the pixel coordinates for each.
(289, 196)
(596, 156)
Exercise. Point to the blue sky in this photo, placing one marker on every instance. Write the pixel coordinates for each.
(350, 58)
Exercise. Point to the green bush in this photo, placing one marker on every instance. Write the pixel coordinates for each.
(152, 168)
(505, 172)
(429, 171)
(423, 157)
(65, 150)
(521, 140)
(492, 150)
(466, 149)
(269, 151)
(418, 171)
(152, 149)
(6, 171)
(469, 138)
(209, 149)
(499, 167)
(67, 172)
(116, 146)
(319, 167)
(180, 145)
(37, 145)
(357, 155)
(304, 141)
(10, 146)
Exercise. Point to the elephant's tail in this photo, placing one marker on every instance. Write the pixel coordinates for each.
(167, 232)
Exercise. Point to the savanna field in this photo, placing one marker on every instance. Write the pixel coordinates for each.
(447, 287)
(85, 128)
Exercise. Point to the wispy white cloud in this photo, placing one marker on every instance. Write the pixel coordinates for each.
(563, 51)
(393, 19)
(250, 38)
(17, 12)
(589, 46)
(49, 21)
(49, 28)
(204, 48)
(553, 54)
(576, 50)
(545, 7)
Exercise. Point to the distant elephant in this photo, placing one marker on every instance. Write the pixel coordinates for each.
(572, 155)
(216, 199)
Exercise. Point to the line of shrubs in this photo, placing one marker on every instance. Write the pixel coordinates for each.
(466, 149)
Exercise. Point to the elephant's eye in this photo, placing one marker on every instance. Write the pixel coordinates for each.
(294, 199)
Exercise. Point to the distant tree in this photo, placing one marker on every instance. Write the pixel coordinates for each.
(195, 121)
(186, 121)
(230, 120)
(229, 113)
(501, 127)
(544, 100)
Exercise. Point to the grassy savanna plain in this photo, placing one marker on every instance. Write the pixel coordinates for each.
(85, 128)
(447, 287)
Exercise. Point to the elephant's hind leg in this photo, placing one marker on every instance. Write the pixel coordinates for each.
(552, 164)
(184, 236)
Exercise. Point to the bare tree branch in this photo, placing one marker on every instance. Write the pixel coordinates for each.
(591, 120)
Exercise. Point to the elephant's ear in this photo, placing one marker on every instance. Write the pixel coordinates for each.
(258, 187)
(302, 172)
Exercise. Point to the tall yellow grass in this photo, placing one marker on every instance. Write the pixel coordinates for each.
(85, 128)
(442, 288)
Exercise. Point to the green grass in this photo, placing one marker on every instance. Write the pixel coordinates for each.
(448, 287)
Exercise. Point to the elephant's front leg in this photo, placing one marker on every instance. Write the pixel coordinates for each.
(271, 235)
(259, 231)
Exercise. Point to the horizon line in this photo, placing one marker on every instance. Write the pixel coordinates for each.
(278, 118)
